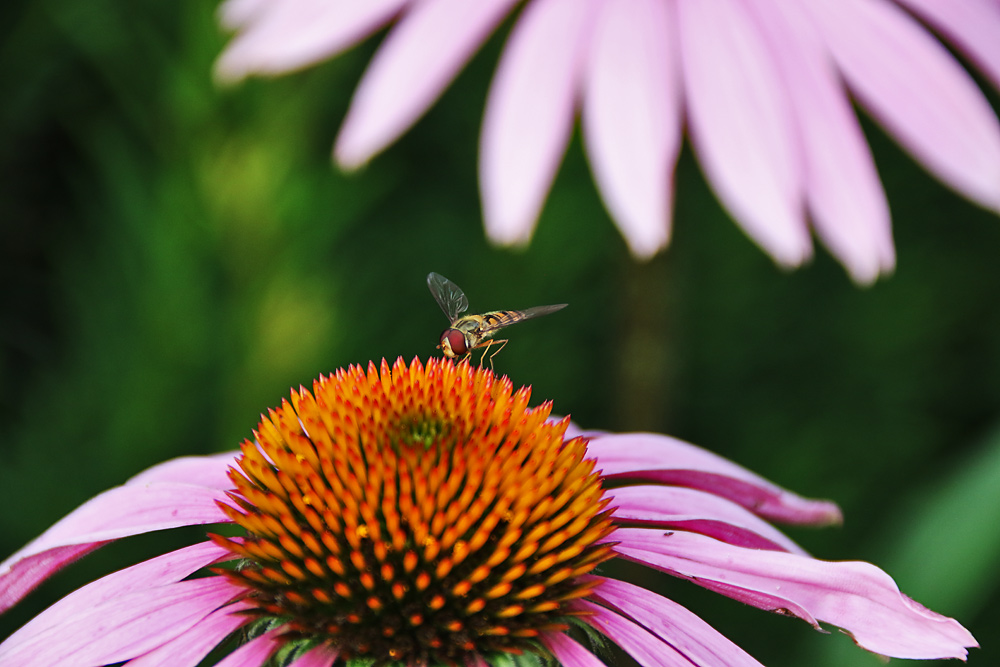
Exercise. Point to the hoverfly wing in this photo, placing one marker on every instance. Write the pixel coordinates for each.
(538, 311)
(448, 295)
(500, 319)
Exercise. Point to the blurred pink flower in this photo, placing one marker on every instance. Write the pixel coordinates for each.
(763, 87)
(425, 515)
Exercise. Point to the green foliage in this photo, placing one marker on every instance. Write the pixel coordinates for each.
(176, 255)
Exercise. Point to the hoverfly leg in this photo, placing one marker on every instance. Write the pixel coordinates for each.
(495, 352)
(486, 348)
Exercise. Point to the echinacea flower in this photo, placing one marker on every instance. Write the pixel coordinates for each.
(426, 515)
(763, 88)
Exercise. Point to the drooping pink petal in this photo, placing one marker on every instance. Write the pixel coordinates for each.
(675, 625)
(123, 627)
(843, 191)
(971, 26)
(321, 656)
(696, 511)
(166, 569)
(291, 34)
(191, 647)
(568, 652)
(529, 114)
(632, 117)
(917, 91)
(857, 597)
(210, 471)
(650, 457)
(642, 645)
(116, 513)
(414, 64)
(740, 127)
(255, 652)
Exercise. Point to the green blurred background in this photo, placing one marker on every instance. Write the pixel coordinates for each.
(175, 256)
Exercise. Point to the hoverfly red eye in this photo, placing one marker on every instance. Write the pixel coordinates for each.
(455, 340)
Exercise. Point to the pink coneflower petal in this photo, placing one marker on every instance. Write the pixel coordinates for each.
(235, 14)
(190, 648)
(254, 652)
(119, 512)
(640, 457)
(568, 652)
(642, 645)
(918, 91)
(529, 114)
(208, 471)
(123, 627)
(166, 569)
(417, 61)
(971, 26)
(321, 656)
(843, 191)
(699, 512)
(631, 117)
(290, 34)
(740, 127)
(850, 595)
(695, 639)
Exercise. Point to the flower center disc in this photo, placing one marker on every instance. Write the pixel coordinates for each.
(416, 514)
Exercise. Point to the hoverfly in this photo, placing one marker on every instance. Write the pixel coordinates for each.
(468, 332)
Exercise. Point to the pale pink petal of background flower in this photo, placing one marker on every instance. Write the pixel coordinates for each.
(971, 26)
(415, 63)
(843, 191)
(631, 117)
(290, 34)
(699, 512)
(857, 597)
(123, 627)
(568, 652)
(530, 112)
(116, 513)
(658, 458)
(693, 637)
(255, 652)
(740, 128)
(190, 648)
(917, 91)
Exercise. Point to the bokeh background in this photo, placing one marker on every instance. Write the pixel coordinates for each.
(175, 255)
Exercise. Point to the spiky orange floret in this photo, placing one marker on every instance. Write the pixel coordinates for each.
(416, 514)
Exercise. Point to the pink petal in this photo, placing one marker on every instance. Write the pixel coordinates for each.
(650, 457)
(119, 512)
(190, 648)
(569, 653)
(631, 118)
(739, 125)
(855, 596)
(696, 511)
(321, 656)
(529, 114)
(642, 645)
(123, 627)
(415, 63)
(166, 569)
(254, 652)
(675, 625)
(235, 14)
(843, 190)
(291, 34)
(971, 26)
(210, 471)
(918, 91)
